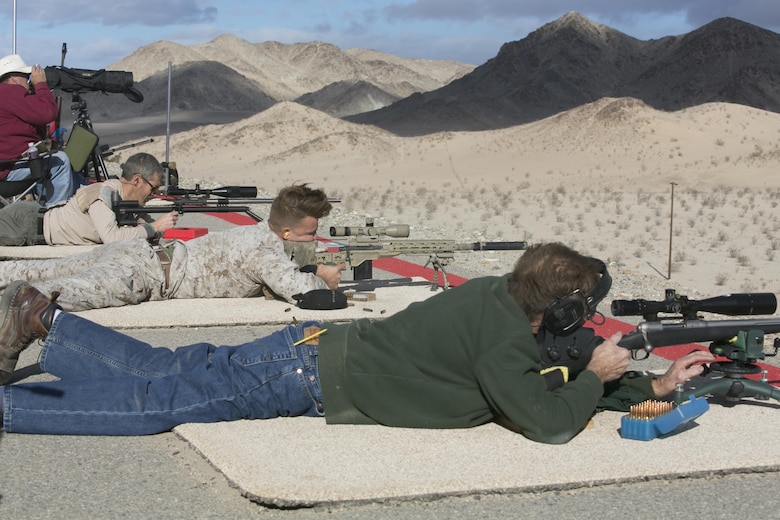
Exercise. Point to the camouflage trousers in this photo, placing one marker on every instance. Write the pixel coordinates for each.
(116, 274)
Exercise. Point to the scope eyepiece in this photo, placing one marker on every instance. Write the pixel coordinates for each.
(397, 231)
(639, 307)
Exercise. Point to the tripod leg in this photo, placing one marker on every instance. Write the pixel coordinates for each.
(760, 389)
(732, 388)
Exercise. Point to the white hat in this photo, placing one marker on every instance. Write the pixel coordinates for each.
(13, 63)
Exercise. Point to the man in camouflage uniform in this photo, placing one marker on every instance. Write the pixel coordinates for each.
(237, 263)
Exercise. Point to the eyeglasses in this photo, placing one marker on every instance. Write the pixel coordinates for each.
(152, 187)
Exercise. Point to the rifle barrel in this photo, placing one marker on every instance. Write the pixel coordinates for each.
(500, 246)
(649, 335)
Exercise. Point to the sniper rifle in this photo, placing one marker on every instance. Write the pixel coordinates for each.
(191, 201)
(199, 200)
(676, 319)
(367, 244)
(741, 341)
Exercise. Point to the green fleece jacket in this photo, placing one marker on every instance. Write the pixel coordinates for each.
(459, 359)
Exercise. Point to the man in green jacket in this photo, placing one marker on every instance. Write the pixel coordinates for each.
(464, 357)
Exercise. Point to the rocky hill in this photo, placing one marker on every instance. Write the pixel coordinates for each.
(234, 75)
(346, 98)
(573, 61)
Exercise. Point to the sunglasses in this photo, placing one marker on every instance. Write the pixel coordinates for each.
(154, 188)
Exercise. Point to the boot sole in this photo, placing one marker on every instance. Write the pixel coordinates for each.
(7, 359)
(8, 295)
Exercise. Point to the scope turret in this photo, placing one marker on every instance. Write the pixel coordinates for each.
(397, 231)
(736, 304)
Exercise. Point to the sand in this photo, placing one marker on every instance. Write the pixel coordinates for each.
(688, 198)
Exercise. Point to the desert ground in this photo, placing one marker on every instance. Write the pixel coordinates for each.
(686, 200)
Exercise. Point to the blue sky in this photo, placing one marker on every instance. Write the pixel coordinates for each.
(472, 31)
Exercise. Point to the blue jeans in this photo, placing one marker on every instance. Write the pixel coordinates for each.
(62, 182)
(111, 384)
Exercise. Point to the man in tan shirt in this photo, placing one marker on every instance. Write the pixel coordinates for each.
(88, 218)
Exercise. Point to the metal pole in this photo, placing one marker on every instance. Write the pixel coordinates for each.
(671, 233)
(168, 130)
(13, 31)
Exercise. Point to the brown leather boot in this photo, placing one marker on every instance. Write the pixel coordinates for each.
(25, 315)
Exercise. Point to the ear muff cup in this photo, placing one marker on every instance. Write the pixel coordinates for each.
(567, 314)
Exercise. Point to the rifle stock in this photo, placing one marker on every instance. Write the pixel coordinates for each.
(649, 335)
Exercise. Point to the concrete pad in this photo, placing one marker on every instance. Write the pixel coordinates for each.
(41, 252)
(298, 462)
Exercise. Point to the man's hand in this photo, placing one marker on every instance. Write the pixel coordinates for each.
(331, 274)
(167, 221)
(38, 75)
(684, 368)
(609, 361)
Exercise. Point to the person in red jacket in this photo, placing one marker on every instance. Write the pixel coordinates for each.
(27, 106)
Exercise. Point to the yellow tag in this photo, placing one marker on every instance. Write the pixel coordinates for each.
(564, 371)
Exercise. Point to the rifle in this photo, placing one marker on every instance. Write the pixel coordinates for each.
(741, 341)
(364, 247)
(198, 200)
(676, 319)
(191, 201)
(58, 132)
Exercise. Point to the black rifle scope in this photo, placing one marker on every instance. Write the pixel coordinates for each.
(737, 304)
(232, 192)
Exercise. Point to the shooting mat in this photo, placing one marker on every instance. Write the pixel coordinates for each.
(293, 462)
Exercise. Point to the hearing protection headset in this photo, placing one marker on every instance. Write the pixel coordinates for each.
(567, 314)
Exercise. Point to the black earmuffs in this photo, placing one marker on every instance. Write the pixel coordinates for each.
(567, 314)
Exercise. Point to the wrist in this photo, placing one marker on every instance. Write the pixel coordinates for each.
(151, 232)
(661, 386)
(311, 269)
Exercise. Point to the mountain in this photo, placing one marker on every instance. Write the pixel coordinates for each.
(195, 86)
(231, 74)
(573, 61)
(562, 65)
